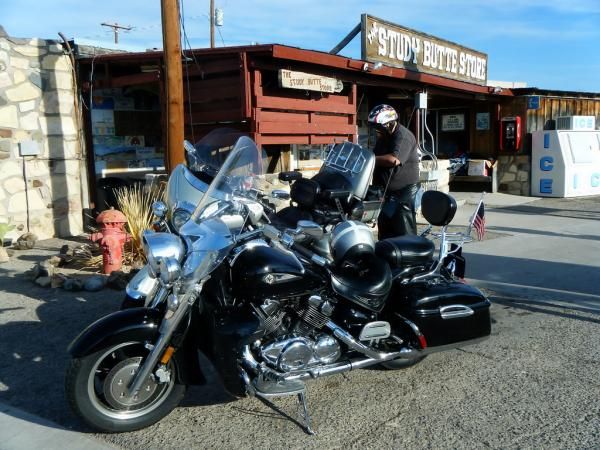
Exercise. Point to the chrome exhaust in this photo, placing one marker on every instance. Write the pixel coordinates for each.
(248, 362)
(349, 340)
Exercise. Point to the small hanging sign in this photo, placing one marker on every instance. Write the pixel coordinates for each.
(309, 82)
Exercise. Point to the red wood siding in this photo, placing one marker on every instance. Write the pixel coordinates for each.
(289, 116)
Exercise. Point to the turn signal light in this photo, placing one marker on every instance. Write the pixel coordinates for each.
(166, 357)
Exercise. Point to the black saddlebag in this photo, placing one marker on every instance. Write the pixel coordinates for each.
(446, 313)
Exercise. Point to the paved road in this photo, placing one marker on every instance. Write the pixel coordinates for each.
(535, 383)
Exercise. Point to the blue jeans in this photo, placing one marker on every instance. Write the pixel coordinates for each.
(398, 216)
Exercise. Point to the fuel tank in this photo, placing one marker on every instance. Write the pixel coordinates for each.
(259, 271)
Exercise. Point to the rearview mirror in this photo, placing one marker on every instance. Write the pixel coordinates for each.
(290, 176)
(310, 228)
(280, 194)
(159, 209)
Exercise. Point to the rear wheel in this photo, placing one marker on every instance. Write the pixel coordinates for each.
(96, 388)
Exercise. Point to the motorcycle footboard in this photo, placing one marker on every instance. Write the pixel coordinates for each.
(446, 313)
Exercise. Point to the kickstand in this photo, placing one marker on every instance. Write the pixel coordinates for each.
(304, 413)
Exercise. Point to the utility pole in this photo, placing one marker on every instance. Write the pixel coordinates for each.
(174, 84)
(116, 27)
(212, 23)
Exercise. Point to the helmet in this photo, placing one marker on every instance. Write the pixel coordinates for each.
(383, 117)
(350, 240)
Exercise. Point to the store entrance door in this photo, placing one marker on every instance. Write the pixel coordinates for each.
(450, 130)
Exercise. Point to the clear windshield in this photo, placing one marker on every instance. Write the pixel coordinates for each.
(346, 157)
(237, 182)
(223, 210)
(205, 157)
(347, 166)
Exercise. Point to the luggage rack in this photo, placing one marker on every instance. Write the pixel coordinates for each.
(458, 238)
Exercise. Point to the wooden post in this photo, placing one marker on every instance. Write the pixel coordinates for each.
(212, 23)
(174, 82)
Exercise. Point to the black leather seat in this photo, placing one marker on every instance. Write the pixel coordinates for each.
(367, 282)
(405, 251)
(289, 216)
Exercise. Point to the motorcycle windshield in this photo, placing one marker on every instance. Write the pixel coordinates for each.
(205, 158)
(223, 210)
(348, 162)
(236, 183)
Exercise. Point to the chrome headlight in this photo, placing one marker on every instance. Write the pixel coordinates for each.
(170, 270)
(180, 217)
(158, 246)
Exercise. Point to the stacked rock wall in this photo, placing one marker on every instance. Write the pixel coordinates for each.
(514, 174)
(37, 109)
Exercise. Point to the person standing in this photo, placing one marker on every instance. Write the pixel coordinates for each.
(397, 168)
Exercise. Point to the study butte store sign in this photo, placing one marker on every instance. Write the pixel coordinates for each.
(402, 47)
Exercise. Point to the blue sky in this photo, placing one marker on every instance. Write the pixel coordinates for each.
(548, 44)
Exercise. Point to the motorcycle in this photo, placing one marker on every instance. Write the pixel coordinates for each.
(310, 198)
(269, 312)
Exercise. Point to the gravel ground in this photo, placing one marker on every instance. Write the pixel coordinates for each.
(534, 384)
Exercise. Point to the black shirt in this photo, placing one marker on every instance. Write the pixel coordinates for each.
(403, 145)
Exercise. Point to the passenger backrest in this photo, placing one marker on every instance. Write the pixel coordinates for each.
(304, 192)
(438, 208)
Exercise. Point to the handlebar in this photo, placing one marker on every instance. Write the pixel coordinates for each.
(287, 242)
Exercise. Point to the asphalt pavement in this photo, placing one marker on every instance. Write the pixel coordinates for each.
(535, 383)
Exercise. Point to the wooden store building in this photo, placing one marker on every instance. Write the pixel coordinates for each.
(294, 101)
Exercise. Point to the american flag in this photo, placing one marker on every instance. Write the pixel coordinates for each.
(479, 221)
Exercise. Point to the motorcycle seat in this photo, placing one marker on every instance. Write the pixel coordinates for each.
(289, 216)
(405, 251)
(367, 283)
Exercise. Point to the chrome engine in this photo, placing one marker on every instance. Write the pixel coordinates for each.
(293, 337)
(298, 353)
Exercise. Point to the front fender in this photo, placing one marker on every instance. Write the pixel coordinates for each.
(136, 324)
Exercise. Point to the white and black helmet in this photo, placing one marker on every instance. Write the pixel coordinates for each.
(383, 117)
(350, 240)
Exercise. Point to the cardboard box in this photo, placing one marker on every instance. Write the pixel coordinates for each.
(479, 167)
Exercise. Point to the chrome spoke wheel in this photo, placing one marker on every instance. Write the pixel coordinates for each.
(110, 377)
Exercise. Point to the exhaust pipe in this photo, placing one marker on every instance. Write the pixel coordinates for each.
(349, 340)
(251, 364)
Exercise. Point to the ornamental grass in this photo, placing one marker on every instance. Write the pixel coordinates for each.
(136, 203)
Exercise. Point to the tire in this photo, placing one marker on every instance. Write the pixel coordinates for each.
(93, 385)
(398, 364)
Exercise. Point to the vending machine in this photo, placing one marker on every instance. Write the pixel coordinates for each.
(565, 163)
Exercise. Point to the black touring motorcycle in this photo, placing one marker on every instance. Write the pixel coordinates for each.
(272, 309)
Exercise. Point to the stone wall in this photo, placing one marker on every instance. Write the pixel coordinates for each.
(514, 174)
(439, 179)
(37, 109)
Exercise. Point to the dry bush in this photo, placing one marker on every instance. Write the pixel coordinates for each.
(136, 203)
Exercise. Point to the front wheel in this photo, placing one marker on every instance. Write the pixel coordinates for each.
(96, 388)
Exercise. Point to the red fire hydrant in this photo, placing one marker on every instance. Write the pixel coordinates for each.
(112, 237)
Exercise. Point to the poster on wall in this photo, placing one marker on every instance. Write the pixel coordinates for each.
(482, 121)
(453, 122)
(103, 122)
